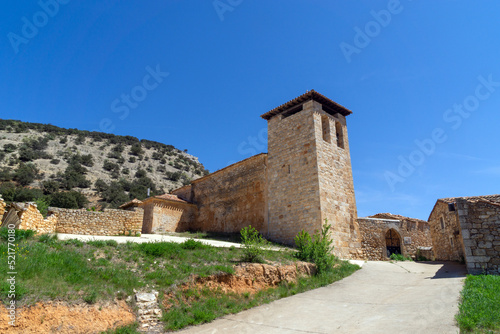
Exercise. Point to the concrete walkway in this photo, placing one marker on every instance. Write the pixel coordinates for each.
(383, 297)
(145, 238)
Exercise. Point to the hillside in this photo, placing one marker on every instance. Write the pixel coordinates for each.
(106, 168)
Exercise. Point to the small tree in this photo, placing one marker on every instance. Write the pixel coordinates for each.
(317, 249)
(252, 244)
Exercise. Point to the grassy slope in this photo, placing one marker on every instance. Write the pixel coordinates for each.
(103, 270)
(480, 306)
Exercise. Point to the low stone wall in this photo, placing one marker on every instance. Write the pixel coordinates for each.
(32, 219)
(480, 224)
(413, 234)
(107, 222)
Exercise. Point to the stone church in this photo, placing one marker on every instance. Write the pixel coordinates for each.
(303, 180)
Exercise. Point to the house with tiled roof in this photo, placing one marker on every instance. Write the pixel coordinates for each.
(468, 229)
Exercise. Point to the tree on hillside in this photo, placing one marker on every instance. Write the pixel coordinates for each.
(25, 174)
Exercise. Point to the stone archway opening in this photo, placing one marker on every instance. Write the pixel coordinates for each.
(392, 242)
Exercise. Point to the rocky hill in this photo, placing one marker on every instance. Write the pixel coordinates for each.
(106, 168)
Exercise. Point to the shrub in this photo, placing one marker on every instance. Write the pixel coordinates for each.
(160, 249)
(68, 200)
(400, 257)
(9, 148)
(136, 150)
(252, 245)
(50, 187)
(192, 244)
(317, 249)
(25, 174)
(42, 204)
(101, 185)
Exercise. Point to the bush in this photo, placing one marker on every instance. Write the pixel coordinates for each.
(317, 249)
(400, 257)
(42, 204)
(9, 148)
(25, 174)
(101, 185)
(192, 244)
(50, 187)
(252, 245)
(160, 249)
(68, 200)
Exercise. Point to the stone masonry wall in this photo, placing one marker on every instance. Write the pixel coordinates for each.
(293, 187)
(32, 219)
(167, 216)
(447, 242)
(373, 232)
(2, 207)
(108, 222)
(480, 224)
(338, 203)
(231, 198)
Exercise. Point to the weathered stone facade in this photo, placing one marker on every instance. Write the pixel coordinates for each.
(107, 222)
(446, 233)
(411, 233)
(480, 226)
(163, 214)
(2, 207)
(468, 228)
(25, 216)
(229, 199)
(310, 177)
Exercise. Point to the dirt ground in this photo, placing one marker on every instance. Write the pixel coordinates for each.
(59, 317)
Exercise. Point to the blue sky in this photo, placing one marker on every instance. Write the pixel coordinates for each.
(421, 77)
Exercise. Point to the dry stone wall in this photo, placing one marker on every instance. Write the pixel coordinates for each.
(2, 207)
(32, 219)
(413, 234)
(231, 198)
(480, 223)
(446, 233)
(108, 222)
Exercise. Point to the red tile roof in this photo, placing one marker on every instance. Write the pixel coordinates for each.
(135, 201)
(171, 197)
(329, 106)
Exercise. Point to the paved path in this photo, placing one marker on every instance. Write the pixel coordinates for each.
(145, 238)
(383, 297)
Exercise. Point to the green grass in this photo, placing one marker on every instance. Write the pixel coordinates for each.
(130, 329)
(96, 271)
(479, 310)
(101, 271)
(400, 257)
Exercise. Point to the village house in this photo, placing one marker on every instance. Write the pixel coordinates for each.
(468, 229)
